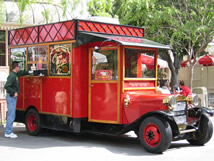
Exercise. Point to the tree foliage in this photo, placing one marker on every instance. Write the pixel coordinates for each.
(66, 5)
(2, 11)
(101, 8)
(187, 25)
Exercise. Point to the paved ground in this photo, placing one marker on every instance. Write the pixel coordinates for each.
(59, 147)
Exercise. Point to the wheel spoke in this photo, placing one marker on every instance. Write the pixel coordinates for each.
(152, 135)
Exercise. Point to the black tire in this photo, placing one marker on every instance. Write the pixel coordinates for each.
(32, 122)
(205, 132)
(155, 134)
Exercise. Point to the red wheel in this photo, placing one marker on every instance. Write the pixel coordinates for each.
(152, 135)
(32, 122)
(155, 134)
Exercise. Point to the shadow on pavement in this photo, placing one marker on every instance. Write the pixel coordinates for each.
(125, 144)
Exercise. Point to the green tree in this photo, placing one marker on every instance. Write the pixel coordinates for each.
(101, 8)
(2, 11)
(187, 25)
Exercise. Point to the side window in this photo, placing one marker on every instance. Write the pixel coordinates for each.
(104, 65)
(60, 59)
(2, 48)
(18, 54)
(139, 63)
(37, 58)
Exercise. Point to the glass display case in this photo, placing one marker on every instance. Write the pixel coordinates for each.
(37, 58)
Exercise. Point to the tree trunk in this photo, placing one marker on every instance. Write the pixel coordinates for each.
(173, 66)
(192, 67)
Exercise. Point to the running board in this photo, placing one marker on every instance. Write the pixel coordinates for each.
(187, 131)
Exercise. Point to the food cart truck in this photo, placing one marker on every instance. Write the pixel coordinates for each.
(89, 77)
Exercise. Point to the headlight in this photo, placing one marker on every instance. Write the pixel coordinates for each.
(195, 99)
(171, 101)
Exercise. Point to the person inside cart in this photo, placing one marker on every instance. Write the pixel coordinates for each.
(176, 89)
(12, 88)
(185, 90)
(162, 90)
(167, 87)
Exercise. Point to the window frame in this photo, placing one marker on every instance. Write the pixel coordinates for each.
(48, 61)
(118, 65)
(147, 50)
(3, 41)
(35, 62)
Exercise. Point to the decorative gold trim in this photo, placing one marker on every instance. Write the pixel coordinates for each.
(135, 47)
(180, 97)
(104, 81)
(139, 79)
(49, 61)
(139, 88)
(41, 44)
(104, 121)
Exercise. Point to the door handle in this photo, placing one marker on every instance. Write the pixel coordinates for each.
(91, 85)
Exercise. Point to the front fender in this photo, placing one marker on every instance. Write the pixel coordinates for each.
(161, 114)
(197, 111)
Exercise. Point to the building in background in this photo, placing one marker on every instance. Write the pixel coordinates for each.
(202, 77)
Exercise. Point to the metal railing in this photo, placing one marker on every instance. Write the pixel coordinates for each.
(3, 104)
(3, 111)
(2, 90)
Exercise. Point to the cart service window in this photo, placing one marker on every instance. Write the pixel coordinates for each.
(37, 58)
(60, 59)
(139, 63)
(104, 65)
(18, 54)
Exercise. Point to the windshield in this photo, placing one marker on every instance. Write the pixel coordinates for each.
(139, 63)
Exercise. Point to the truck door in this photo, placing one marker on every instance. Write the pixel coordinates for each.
(104, 86)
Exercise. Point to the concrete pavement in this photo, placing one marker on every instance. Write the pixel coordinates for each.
(55, 146)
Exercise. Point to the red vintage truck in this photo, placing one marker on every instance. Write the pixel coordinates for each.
(89, 77)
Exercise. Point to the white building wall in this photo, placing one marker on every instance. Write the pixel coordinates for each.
(203, 77)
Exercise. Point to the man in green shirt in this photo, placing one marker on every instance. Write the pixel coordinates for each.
(12, 88)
